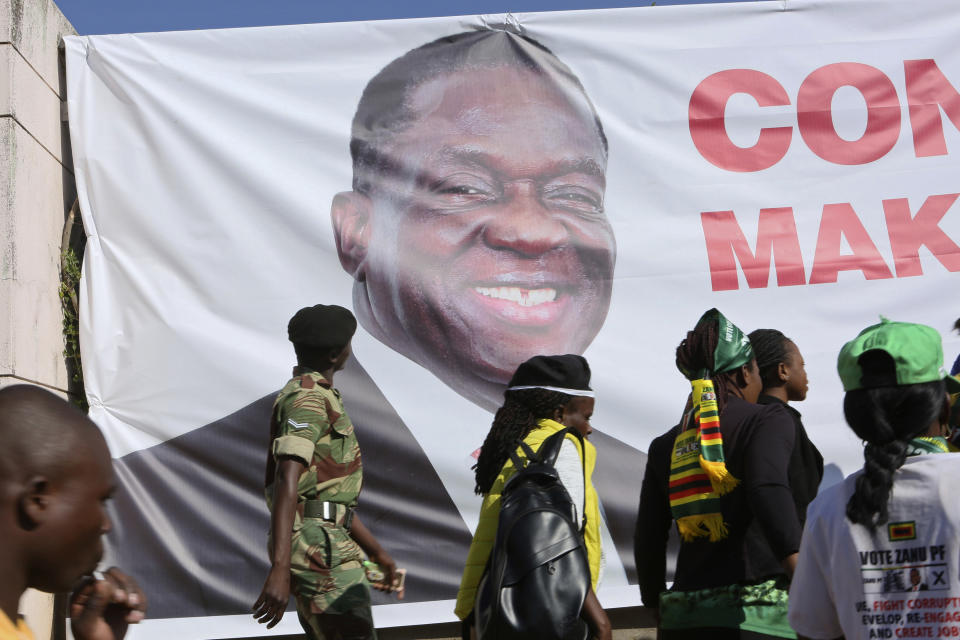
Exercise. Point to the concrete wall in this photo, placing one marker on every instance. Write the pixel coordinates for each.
(36, 190)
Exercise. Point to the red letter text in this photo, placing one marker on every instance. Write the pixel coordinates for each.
(776, 236)
(840, 220)
(707, 106)
(815, 118)
(927, 91)
(908, 234)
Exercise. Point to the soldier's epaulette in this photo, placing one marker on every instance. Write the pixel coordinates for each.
(306, 382)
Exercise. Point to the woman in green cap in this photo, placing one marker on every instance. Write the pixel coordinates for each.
(721, 475)
(889, 531)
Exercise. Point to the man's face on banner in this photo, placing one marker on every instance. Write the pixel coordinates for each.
(493, 246)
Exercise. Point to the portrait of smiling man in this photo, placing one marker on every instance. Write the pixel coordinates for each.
(475, 230)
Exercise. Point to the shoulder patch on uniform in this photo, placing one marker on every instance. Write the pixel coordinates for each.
(297, 426)
(307, 382)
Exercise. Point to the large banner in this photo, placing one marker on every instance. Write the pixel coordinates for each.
(479, 190)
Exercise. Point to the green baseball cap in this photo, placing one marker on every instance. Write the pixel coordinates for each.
(916, 349)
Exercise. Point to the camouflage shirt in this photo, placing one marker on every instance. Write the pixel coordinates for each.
(310, 424)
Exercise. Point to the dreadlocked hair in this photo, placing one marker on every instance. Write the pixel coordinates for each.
(519, 414)
(696, 352)
(886, 417)
(770, 349)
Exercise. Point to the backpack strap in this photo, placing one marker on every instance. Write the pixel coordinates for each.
(550, 448)
(549, 451)
(527, 451)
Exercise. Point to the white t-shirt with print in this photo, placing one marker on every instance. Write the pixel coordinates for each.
(901, 580)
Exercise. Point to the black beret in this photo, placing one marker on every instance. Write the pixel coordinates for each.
(322, 326)
(569, 373)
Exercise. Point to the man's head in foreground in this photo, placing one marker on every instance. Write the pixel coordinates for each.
(55, 476)
(475, 230)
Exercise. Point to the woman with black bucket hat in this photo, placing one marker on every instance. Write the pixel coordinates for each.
(545, 396)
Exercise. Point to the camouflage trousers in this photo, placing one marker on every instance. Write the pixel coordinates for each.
(329, 583)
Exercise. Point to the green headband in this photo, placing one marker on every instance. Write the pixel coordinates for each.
(733, 348)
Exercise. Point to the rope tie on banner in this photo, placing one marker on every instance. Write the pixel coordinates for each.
(507, 23)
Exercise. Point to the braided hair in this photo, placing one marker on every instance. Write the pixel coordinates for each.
(770, 349)
(887, 417)
(696, 352)
(521, 410)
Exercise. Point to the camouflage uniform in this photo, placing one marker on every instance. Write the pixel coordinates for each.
(328, 579)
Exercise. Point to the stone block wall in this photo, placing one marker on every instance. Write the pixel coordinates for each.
(36, 191)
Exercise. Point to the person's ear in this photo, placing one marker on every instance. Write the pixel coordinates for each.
(33, 502)
(743, 375)
(334, 355)
(782, 372)
(558, 414)
(350, 214)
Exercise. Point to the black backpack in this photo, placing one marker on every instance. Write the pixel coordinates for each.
(538, 575)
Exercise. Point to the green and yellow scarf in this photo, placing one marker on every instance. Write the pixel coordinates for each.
(698, 474)
(923, 445)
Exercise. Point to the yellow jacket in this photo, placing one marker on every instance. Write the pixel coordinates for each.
(486, 531)
(11, 631)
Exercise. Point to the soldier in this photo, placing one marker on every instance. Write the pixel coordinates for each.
(313, 479)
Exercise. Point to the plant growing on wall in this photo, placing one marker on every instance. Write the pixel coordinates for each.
(71, 253)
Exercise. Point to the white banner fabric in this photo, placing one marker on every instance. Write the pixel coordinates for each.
(787, 162)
